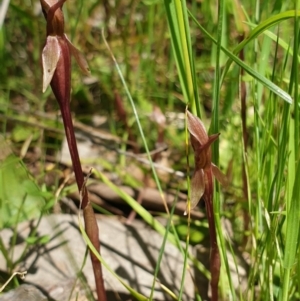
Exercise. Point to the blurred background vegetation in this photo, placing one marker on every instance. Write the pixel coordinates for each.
(138, 34)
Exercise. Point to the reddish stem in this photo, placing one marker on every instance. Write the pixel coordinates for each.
(215, 261)
(90, 222)
(61, 87)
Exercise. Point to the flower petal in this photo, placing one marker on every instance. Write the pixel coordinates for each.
(197, 189)
(219, 175)
(50, 57)
(54, 4)
(196, 128)
(80, 59)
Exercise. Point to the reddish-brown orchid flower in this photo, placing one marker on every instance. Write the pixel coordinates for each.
(202, 186)
(56, 56)
(56, 61)
(201, 143)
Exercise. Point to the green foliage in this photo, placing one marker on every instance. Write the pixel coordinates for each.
(20, 197)
(196, 231)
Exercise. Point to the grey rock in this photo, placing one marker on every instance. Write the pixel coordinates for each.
(130, 251)
(24, 292)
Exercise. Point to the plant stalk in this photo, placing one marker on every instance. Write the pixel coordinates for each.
(90, 221)
(215, 261)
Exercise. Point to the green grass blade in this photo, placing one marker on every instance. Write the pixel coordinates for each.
(293, 222)
(272, 21)
(266, 82)
(263, 26)
(176, 12)
(292, 238)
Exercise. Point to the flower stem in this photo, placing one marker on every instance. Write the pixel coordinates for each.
(90, 221)
(215, 261)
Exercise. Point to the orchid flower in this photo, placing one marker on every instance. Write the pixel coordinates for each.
(56, 54)
(202, 186)
(201, 143)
